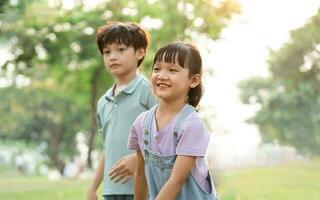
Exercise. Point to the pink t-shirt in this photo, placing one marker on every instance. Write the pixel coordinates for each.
(193, 141)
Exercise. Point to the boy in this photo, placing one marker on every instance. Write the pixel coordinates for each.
(123, 46)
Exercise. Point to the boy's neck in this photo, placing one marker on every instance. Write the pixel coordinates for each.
(124, 80)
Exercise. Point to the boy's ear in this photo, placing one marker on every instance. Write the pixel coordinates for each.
(141, 52)
(195, 80)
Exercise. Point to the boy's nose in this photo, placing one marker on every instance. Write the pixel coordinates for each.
(113, 55)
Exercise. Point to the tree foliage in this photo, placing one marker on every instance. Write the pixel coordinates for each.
(290, 97)
(37, 115)
(55, 48)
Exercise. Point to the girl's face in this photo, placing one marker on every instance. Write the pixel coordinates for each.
(171, 82)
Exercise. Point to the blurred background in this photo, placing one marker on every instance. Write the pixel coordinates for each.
(261, 102)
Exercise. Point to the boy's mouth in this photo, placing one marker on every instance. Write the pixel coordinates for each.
(114, 66)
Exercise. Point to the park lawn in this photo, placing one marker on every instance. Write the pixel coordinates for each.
(288, 182)
(293, 181)
(14, 186)
(39, 188)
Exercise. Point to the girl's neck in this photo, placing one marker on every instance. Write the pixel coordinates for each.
(172, 107)
(166, 111)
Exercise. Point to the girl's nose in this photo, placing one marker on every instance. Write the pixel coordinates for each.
(163, 75)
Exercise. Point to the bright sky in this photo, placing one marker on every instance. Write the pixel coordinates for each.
(241, 53)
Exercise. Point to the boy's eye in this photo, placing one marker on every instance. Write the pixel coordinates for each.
(122, 49)
(106, 52)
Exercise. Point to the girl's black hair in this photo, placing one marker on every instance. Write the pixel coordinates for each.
(130, 34)
(188, 56)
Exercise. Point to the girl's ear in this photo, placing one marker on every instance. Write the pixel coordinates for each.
(195, 80)
(140, 53)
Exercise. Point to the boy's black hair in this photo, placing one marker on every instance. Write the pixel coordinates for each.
(188, 56)
(127, 33)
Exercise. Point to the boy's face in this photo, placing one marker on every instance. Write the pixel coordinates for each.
(121, 60)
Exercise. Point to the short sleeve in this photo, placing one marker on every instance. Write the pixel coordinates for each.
(99, 123)
(98, 117)
(193, 138)
(133, 140)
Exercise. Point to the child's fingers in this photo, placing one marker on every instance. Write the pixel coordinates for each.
(121, 172)
(115, 170)
(117, 163)
(115, 174)
(120, 177)
(125, 179)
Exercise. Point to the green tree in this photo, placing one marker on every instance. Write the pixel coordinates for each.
(50, 44)
(37, 114)
(290, 97)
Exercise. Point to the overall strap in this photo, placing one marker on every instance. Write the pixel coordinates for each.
(147, 129)
(182, 116)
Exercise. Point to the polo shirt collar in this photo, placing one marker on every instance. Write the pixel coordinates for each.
(133, 84)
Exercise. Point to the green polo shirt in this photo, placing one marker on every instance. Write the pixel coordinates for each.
(115, 117)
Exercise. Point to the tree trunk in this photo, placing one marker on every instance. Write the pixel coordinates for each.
(93, 102)
(55, 141)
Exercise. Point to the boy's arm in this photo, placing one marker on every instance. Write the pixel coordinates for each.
(97, 179)
(123, 169)
(180, 172)
(140, 182)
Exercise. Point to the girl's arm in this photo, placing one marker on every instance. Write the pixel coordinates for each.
(180, 172)
(140, 182)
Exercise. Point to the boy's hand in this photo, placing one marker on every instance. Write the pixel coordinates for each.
(123, 169)
(91, 195)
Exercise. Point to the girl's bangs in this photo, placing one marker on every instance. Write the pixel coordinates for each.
(170, 54)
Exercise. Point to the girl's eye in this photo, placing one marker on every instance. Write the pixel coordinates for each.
(122, 49)
(156, 69)
(106, 52)
(173, 70)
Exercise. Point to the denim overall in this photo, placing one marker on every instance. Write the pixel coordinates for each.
(158, 168)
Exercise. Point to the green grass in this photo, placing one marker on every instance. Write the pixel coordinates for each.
(294, 181)
(39, 188)
(14, 186)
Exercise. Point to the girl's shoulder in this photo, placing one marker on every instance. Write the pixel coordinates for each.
(142, 116)
(194, 122)
(193, 117)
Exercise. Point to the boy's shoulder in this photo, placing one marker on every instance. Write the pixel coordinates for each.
(104, 96)
(144, 82)
(143, 85)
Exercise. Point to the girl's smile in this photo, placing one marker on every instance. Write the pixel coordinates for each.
(163, 85)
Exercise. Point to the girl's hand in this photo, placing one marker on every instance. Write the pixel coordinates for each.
(181, 169)
(123, 169)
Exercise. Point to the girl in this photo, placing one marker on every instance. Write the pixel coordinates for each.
(170, 139)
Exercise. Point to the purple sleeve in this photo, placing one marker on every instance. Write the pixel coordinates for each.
(193, 139)
(133, 140)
